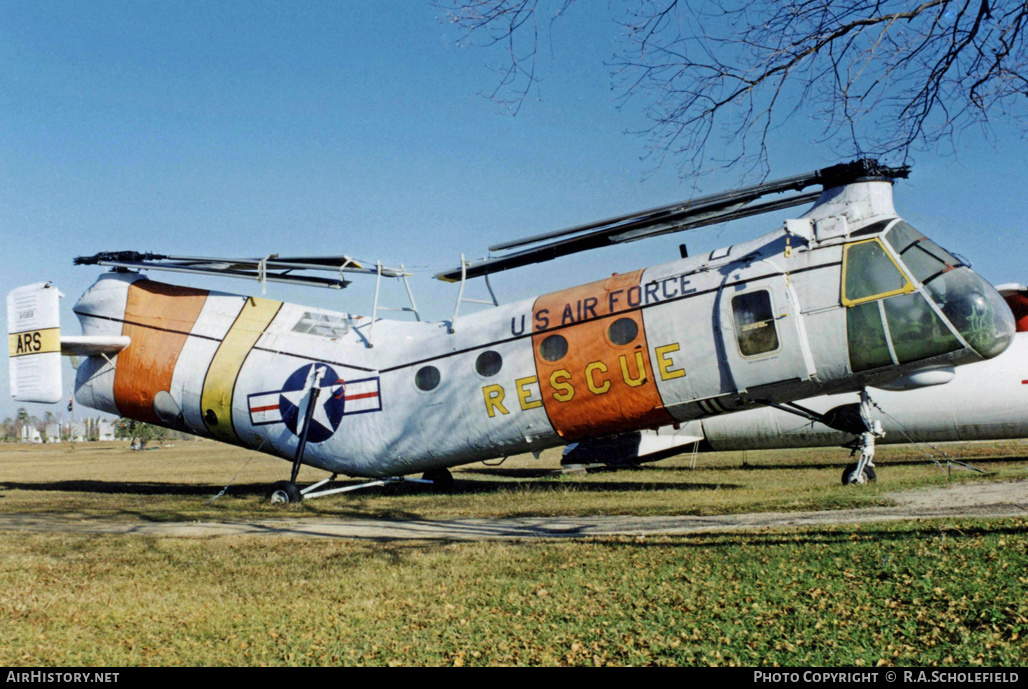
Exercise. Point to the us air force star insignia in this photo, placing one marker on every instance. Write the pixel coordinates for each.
(294, 398)
(337, 398)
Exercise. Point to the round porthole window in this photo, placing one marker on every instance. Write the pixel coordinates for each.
(623, 331)
(553, 348)
(488, 363)
(427, 378)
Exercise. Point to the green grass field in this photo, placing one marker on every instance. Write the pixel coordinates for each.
(913, 594)
(940, 592)
(176, 483)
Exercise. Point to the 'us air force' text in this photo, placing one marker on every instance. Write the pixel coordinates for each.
(617, 300)
(598, 376)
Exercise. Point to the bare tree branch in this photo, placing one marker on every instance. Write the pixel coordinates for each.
(512, 24)
(878, 77)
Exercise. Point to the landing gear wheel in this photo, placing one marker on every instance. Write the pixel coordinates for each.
(283, 492)
(850, 476)
(440, 478)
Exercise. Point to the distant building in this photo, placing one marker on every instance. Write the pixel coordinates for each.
(53, 433)
(106, 430)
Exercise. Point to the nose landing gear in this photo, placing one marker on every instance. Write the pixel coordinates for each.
(849, 418)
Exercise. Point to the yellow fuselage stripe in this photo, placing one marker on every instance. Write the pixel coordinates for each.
(42, 341)
(219, 385)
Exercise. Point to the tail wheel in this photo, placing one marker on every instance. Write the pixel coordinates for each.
(850, 476)
(283, 492)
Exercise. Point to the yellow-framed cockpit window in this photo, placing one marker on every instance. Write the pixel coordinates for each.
(869, 272)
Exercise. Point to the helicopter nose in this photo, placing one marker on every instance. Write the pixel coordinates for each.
(975, 309)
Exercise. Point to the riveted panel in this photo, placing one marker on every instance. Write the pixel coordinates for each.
(592, 359)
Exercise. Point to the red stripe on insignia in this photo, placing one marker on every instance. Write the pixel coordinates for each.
(268, 408)
(360, 397)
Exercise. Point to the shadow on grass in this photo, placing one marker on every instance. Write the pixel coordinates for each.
(250, 518)
(470, 487)
(408, 532)
(136, 488)
(750, 465)
(520, 473)
(844, 533)
(244, 502)
(532, 536)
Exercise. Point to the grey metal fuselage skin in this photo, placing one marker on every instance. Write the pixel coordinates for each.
(759, 321)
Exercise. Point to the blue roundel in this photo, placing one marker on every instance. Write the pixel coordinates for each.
(329, 411)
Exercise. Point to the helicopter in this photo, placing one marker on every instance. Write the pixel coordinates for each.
(845, 296)
(981, 401)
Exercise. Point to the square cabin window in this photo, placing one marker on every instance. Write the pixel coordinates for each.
(754, 323)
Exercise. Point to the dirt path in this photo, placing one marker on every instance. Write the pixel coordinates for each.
(1007, 499)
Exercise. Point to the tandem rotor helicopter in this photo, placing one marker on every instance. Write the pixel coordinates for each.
(845, 296)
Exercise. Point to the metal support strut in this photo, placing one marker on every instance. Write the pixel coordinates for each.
(287, 491)
(461, 298)
(312, 491)
(298, 459)
(413, 308)
(312, 404)
(873, 429)
(855, 419)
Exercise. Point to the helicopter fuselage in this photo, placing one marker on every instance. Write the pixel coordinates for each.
(831, 302)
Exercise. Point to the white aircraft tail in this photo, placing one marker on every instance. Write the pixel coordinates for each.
(34, 327)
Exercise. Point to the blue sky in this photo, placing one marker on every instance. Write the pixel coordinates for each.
(250, 128)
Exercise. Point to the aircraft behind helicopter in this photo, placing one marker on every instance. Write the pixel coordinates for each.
(843, 297)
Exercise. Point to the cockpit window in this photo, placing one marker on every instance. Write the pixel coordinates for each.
(869, 272)
(922, 256)
(889, 320)
(869, 347)
(975, 308)
(916, 331)
(321, 324)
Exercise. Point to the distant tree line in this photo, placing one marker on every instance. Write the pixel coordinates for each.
(11, 429)
(140, 432)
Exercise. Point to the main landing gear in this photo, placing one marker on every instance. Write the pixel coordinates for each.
(849, 418)
(287, 492)
(863, 471)
(440, 478)
(852, 474)
(283, 492)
